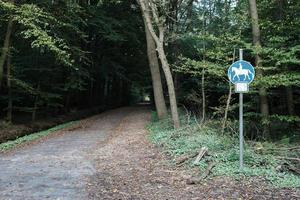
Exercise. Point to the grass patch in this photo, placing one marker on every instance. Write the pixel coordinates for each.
(11, 144)
(224, 150)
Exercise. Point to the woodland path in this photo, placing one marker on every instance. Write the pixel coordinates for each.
(110, 157)
(57, 167)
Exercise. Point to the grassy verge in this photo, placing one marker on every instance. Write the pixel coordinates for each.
(260, 158)
(34, 136)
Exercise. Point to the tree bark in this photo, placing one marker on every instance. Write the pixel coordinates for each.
(159, 41)
(170, 85)
(290, 100)
(228, 99)
(264, 106)
(227, 108)
(203, 94)
(9, 89)
(35, 107)
(6, 46)
(159, 99)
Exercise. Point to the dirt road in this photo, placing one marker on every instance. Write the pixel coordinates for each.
(110, 158)
(57, 167)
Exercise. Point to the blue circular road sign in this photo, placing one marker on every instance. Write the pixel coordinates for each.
(241, 72)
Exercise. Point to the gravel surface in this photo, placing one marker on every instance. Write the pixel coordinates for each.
(56, 168)
(110, 157)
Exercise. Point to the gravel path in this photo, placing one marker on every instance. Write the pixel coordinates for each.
(56, 168)
(111, 158)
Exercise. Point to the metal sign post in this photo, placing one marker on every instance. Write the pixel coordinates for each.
(241, 124)
(241, 74)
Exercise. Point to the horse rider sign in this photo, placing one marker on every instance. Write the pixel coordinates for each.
(241, 74)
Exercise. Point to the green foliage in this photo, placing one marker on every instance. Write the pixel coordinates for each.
(210, 44)
(37, 27)
(72, 55)
(223, 150)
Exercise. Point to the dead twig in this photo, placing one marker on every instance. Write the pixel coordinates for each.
(208, 169)
(288, 158)
(197, 180)
(294, 169)
(287, 149)
(182, 159)
(201, 154)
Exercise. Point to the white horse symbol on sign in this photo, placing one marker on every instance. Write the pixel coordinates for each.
(238, 72)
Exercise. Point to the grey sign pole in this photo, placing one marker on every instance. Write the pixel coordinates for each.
(241, 123)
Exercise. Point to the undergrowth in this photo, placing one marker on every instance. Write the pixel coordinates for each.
(259, 158)
(11, 144)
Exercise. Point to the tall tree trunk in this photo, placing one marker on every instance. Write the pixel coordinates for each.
(289, 89)
(228, 100)
(35, 107)
(9, 89)
(159, 41)
(159, 99)
(290, 100)
(120, 92)
(264, 106)
(6, 46)
(227, 107)
(203, 94)
(91, 95)
(170, 85)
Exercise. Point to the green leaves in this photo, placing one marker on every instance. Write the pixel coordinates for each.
(194, 68)
(37, 26)
(277, 80)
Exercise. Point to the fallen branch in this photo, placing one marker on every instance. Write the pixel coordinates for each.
(198, 180)
(208, 169)
(182, 159)
(288, 158)
(294, 169)
(283, 148)
(202, 153)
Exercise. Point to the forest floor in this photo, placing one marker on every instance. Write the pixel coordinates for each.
(22, 124)
(110, 157)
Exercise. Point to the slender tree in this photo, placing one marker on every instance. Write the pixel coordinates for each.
(151, 15)
(159, 99)
(256, 37)
(6, 46)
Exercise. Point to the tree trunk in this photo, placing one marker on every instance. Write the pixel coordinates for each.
(159, 99)
(6, 46)
(228, 100)
(227, 108)
(91, 95)
(159, 41)
(289, 89)
(170, 85)
(264, 107)
(203, 95)
(9, 89)
(290, 100)
(35, 107)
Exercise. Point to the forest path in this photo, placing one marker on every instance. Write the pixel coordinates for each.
(56, 167)
(112, 158)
